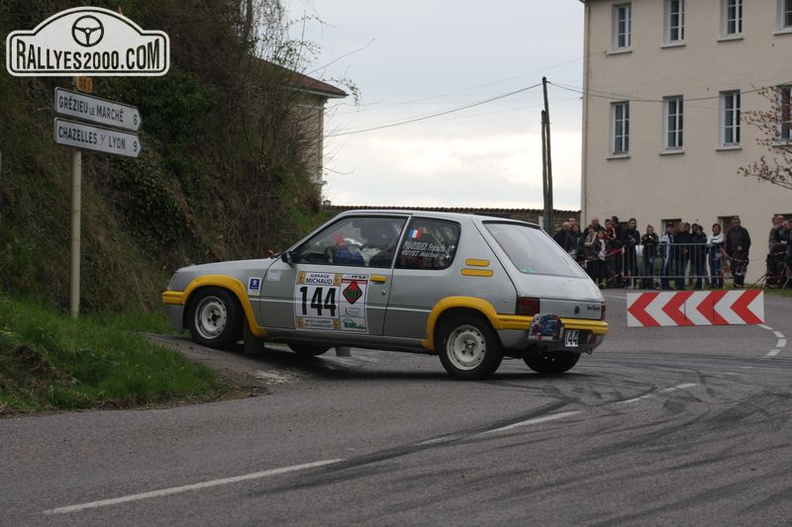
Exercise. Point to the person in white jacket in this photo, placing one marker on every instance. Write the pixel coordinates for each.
(715, 251)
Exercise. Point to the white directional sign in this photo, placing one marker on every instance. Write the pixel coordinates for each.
(96, 110)
(87, 137)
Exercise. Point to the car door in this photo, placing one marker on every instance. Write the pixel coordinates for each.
(336, 284)
(424, 274)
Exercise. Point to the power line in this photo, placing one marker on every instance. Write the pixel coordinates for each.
(433, 115)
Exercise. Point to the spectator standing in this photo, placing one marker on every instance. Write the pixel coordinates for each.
(698, 255)
(565, 238)
(667, 253)
(776, 250)
(578, 236)
(615, 248)
(630, 238)
(715, 250)
(682, 240)
(596, 252)
(785, 273)
(738, 246)
(595, 224)
(593, 227)
(649, 242)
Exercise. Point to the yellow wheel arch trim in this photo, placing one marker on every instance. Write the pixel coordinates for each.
(499, 321)
(180, 298)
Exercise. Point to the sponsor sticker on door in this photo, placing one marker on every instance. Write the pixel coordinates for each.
(331, 301)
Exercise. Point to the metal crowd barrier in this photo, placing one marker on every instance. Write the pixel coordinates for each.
(676, 266)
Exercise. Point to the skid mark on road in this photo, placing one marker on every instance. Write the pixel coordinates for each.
(667, 390)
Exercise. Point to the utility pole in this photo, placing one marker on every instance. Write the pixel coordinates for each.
(547, 164)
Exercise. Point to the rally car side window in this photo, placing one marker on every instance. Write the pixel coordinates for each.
(354, 241)
(428, 244)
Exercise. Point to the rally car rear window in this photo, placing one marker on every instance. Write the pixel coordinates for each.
(532, 251)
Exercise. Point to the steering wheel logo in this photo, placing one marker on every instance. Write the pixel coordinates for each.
(87, 31)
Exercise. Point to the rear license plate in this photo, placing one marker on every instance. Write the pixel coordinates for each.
(571, 338)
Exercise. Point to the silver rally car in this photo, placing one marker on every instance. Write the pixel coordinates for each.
(471, 289)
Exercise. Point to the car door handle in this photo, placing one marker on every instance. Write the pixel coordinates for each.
(379, 279)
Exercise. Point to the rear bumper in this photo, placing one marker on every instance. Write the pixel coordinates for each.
(592, 334)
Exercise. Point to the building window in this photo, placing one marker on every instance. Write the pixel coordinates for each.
(673, 122)
(732, 17)
(730, 118)
(674, 21)
(620, 128)
(785, 14)
(785, 113)
(622, 22)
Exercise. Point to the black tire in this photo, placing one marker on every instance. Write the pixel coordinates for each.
(308, 350)
(552, 363)
(215, 319)
(469, 348)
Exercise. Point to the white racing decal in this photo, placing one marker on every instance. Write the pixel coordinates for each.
(331, 301)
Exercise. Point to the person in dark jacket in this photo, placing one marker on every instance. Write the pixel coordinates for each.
(777, 250)
(698, 255)
(682, 240)
(630, 239)
(738, 246)
(565, 238)
(579, 239)
(649, 242)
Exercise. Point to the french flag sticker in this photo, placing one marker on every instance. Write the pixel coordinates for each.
(415, 233)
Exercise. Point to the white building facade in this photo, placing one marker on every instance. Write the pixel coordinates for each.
(666, 84)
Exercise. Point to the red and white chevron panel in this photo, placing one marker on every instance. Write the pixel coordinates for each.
(695, 308)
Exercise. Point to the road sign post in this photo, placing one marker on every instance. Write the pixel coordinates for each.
(74, 268)
(116, 136)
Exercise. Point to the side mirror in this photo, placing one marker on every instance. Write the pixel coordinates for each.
(287, 257)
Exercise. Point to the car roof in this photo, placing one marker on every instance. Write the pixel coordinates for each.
(478, 218)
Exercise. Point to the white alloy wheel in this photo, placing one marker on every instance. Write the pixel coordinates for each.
(215, 318)
(466, 347)
(211, 317)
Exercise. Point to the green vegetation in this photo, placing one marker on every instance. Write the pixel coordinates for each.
(49, 361)
(222, 175)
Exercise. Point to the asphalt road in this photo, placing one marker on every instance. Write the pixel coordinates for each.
(660, 426)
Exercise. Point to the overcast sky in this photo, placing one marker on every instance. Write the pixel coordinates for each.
(416, 59)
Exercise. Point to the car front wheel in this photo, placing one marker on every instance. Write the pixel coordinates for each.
(468, 348)
(215, 318)
(552, 363)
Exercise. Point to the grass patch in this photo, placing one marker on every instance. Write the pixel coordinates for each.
(48, 362)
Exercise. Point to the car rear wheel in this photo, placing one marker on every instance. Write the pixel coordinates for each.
(552, 363)
(309, 350)
(468, 348)
(215, 318)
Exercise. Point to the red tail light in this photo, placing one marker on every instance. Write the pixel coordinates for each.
(527, 306)
(602, 313)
